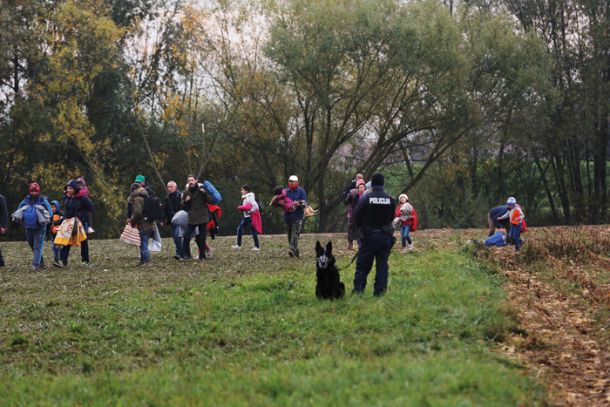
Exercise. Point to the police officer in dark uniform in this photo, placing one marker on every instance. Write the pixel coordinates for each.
(373, 217)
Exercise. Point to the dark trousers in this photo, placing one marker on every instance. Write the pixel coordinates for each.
(293, 228)
(240, 231)
(200, 239)
(1, 259)
(84, 252)
(376, 247)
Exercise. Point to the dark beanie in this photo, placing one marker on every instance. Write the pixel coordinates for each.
(377, 180)
(74, 185)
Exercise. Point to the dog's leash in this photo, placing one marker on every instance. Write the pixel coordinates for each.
(350, 263)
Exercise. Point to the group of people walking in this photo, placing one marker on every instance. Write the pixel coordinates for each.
(191, 213)
(405, 216)
(372, 216)
(44, 220)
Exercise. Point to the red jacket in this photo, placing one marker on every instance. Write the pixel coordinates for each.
(412, 221)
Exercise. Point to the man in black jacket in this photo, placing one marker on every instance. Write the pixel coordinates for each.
(3, 223)
(171, 205)
(373, 216)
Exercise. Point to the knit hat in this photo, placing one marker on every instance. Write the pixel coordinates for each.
(74, 185)
(293, 178)
(33, 187)
(140, 178)
(377, 180)
(401, 195)
(511, 201)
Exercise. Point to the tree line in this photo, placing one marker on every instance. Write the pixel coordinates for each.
(460, 103)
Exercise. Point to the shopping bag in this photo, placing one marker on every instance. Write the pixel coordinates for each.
(130, 235)
(309, 211)
(155, 244)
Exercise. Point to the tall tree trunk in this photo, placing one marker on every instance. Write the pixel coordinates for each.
(572, 158)
(559, 173)
(547, 188)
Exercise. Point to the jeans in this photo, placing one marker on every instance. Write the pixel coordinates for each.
(35, 239)
(56, 250)
(515, 235)
(374, 247)
(177, 232)
(144, 251)
(200, 239)
(84, 252)
(293, 227)
(240, 231)
(404, 234)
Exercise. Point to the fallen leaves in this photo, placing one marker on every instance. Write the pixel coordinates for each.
(565, 344)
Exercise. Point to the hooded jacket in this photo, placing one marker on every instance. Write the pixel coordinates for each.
(136, 199)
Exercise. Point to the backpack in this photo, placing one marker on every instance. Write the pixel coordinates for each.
(214, 194)
(30, 217)
(153, 208)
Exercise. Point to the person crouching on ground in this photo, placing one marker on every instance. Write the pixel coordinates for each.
(195, 199)
(137, 220)
(493, 219)
(515, 217)
(251, 218)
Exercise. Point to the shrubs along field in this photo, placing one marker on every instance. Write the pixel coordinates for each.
(245, 328)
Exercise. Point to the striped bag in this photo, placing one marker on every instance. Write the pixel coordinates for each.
(130, 235)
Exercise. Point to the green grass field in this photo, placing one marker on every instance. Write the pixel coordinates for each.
(246, 329)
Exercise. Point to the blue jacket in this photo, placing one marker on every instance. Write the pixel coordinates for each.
(40, 200)
(297, 194)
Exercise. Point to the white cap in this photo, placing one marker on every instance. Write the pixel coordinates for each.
(293, 178)
(511, 201)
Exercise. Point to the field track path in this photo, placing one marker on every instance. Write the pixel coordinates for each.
(559, 342)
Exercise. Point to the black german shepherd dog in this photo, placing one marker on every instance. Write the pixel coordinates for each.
(329, 285)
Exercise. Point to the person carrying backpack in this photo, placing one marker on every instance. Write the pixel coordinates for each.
(142, 219)
(33, 207)
(3, 223)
